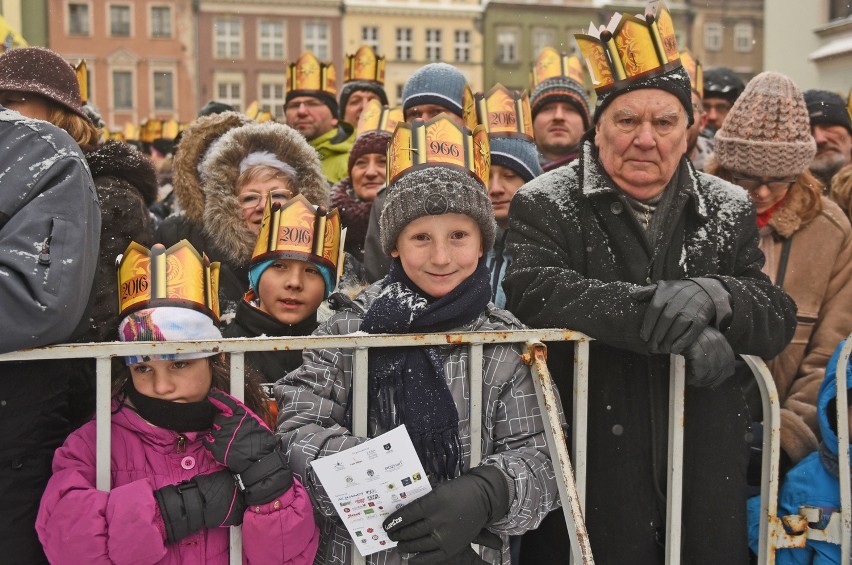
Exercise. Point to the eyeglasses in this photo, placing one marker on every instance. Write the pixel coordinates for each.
(775, 185)
(310, 104)
(249, 200)
(717, 106)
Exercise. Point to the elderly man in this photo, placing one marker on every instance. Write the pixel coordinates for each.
(632, 246)
(831, 127)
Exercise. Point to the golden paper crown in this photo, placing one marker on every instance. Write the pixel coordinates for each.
(695, 70)
(150, 130)
(505, 112)
(550, 63)
(83, 80)
(177, 276)
(439, 141)
(630, 47)
(308, 73)
(365, 65)
(375, 116)
(299, 230)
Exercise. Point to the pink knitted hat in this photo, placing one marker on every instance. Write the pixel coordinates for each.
(767, 133)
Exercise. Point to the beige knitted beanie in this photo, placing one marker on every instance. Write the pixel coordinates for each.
(767, 133)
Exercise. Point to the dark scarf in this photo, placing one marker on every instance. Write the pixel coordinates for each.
(354, 212)
(176, 416)
(408, 384)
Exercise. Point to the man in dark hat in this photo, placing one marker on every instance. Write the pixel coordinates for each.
(722, 87)
(831, 127)
(632, 246)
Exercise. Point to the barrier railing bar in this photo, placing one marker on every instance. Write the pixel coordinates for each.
(843, 450)
(581, 415)
(103, 427)
(475, 384)
(238, 379)
(581, 550)
(360, 405)
(674, 484)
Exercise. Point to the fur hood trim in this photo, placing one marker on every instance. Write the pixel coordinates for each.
(193, 145)
(116, 159)
(786, 220)
(222, 218)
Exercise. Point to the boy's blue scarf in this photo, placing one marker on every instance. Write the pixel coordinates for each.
(408, 384)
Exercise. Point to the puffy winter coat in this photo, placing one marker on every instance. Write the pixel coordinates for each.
(77, 523)
(333, 148)
(578, 252)
(813, 482)
(311, 422)
(818, 276)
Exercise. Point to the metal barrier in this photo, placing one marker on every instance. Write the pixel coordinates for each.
(571, 494)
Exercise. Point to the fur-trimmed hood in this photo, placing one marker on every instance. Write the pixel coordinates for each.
(788, 219)
(116, 159)
(222, 218)
(193, 145)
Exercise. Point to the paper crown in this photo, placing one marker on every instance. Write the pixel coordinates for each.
(695, 70)
(365, 65)
(82, 73)
(630, 47)
(505, 112)
(308, 73)
(177, 276)
(439, 141)
(550, 63)
(375, 116)
(299, 230)
(253, 112)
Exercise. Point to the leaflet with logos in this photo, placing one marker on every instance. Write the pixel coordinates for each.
(369, 482)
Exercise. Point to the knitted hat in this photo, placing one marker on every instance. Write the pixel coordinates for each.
(561, 89)
(722, 82)
(356, 85)
(826, 107)
(374, 141)
(674, 81)
(517, 154)
(435, 190)
(167, 323)
(43, 72)
(436, 83)
(767, 133)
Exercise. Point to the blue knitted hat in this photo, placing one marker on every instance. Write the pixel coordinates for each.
(435, 83)
(517, 154)
(561, 89)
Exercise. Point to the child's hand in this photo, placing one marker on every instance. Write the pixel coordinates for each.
(239, 438)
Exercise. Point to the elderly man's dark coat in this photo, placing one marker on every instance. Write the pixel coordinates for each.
(578, 253)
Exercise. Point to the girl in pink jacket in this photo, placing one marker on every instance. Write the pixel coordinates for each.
(188, 460)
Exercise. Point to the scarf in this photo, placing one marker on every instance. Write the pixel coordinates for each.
(176, 416)
(764, 217)
(354, 212)
(408, 384)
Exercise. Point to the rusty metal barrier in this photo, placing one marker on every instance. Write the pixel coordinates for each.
(571, 493)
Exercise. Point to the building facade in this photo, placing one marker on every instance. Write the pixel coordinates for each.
(244, 47)
(140, 55)
(412, 33)
(729, 33)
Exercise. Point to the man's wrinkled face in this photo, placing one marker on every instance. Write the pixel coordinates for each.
(310, 116)
(834, 149)
(641, 138)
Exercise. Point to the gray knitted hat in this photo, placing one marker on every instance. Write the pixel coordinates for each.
(435, 83)
(561, 89)
(435, 190)
(768, 132)
(517, 154)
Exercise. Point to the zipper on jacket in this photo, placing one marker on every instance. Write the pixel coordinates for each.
(181, 443)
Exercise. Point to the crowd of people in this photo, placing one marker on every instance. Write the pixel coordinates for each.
(684, 212)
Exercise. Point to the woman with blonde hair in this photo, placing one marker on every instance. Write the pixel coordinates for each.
(765, 146)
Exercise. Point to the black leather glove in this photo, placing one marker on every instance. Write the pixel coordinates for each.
(709, 360)
(265, 480)
(205, 501)
(239, 438)
(680, 310)
(442, 524)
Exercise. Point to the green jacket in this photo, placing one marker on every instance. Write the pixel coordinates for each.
(333, 148)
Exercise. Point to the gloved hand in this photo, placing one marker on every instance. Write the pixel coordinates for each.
(205, 501)
(443, 523)
(680, 310)
(239, 438)
(709, 360)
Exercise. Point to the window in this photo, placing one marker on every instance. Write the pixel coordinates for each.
(399, 88)
(370, 36)
(743, 38)
(228, 38)
(164, 82)
(161, 21)
(272, 98)
(507, 46)
(230, 92)
(315, 39)
(461, 48)
(78, 19)
(403, 43)
(119, 21)
(543, 37)
(713, 36)
(839, 9)
(122, 90)
(271, 44)
(433, 45)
